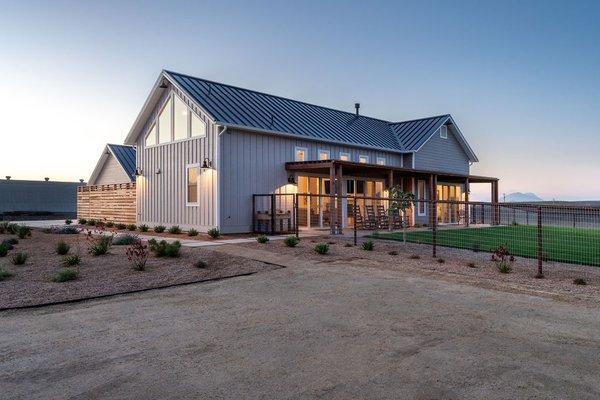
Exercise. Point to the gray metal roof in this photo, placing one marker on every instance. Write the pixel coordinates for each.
(231, 105)
(125, 155)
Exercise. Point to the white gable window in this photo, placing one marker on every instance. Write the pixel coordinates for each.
(181, 117)
(344, 156)
(151, 136)
(300, 154)
(444, 132)
(324, 155)
(165, 123)
(198, 126)
(380, 161)
(363, 159)
(192, 185)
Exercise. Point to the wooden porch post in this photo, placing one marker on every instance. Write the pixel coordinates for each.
(467, 189)
(332, 198)
(340, 203)
(495, 207)
(391, 178)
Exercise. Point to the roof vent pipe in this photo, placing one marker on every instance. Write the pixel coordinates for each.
(8, 177)
(357, 107)
(46, 179)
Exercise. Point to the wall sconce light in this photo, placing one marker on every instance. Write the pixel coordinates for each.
(158, 171)
(138, 172)
(292, 179)
(206, 164)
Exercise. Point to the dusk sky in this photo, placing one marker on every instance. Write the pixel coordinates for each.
(521, 79)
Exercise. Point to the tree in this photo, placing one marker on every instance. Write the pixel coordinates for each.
(400, 201)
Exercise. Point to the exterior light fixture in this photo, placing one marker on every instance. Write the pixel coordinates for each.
(8, 177)
(81, 181)
(206, 164)
(158, 171)
(163, 84)
(46, 179)
(292, 179)
(138, 171)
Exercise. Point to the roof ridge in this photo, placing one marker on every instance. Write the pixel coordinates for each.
(420, 119)
(277, 96)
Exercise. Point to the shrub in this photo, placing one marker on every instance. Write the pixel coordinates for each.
(291, 241)
(92, 222)
(3, 227)
(368, 245)
(331, 242)
(137, 254)
(19, 258)
(214, 233)
(9, 243)
(82, 221)
(164, 249)
(71, 260)
(414, 257)
(503, 268)
(4, 274)
(66, 274)
(23, 231)
(322, 248)
(262, 239)
(3, 250)
(68, 221)
(440, 260)
(143, 228)
(579, 281)
(201, 264)
(393, 253)
(64, 230)
(109, 224)
(131, 227)
(120, 226)
(192, 232)
(125, 240)
(100, 245)
(348, 245)
(175, 229)
(471, 265)
(159, 229)
(62, 248)
(503, 259)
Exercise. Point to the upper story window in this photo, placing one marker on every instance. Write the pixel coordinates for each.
(380, 161)
(300, 154)
(444, 132)
(324, 155)
(198, 126)
(165, 123)
(344, 156)
(363, 159)
(151, 136)
(180, 119)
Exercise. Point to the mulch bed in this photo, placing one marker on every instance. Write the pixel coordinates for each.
(31, 284)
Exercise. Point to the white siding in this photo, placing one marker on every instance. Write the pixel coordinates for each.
(111, 172)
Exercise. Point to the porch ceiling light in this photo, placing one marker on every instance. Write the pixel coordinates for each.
(206, 164)
(138, 171)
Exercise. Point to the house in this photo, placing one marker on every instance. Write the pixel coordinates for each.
(115, 165)
(203, 149)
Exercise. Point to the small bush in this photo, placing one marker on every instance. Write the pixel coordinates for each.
(19, 258)
(164, 249)
(120, 226)
(503, 259)
(71, 260)
(214, 233)
(9, 243)
(66, 274)
(201, 264)
(68, 221)
(64, 230)
(159, 229)
(175, 230)
(192, 232)
(131, 227)
(3, 250)
(322, 248)
(503, 268)
(143, 228)
(3, 227)
(471, 265)
(137, 254)
(291, 241)
(331, 242)
(100, 245)
(23, 232)
(414, 257)
(348, 245)
(125, 240)
(62, 248)
(82, 221)
(92, 222)
(262, 239)
(368, 245)
(109, 224)
(393, 253)
(440, 260)
(579, 281)
(4, 274)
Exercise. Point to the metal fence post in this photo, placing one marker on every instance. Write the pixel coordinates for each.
(272, 214)
(434, 227)
(539, 249)
(253, 213)
(354, 209)
(296, 215)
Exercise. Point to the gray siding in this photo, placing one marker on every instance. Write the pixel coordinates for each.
(161, 198)
(111, 172)
(255, 163)
(444, 155)
(36, 196)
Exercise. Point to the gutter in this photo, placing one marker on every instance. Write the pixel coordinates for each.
(218, 179)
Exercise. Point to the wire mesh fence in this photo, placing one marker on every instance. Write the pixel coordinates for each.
(569, 234)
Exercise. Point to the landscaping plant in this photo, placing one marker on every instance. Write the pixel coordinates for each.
(175, 230)
(64, 230)
(143, 228)
(71, 260)
(23, 231)
(393, 253)
(137, 254)
(192, 232)
(322, 248)
(109, 224)
(66, 274)
(262, 239)
(92, 222)
(368, 245)
(159, 229)
(164, 249)
(120, 226)
(131, 227)
(125, 240)
(201, 264)
(9, 243)
(99, 245)
(291, 241)
(82, 221)
(414, 257)
(3, 250)
(19, 258)
(68, 221)
(214, 233)
(4, 274)
(503, 259)
(62, 248)
(348, 245)
(440, 260)
(579, 281)
(401, 201)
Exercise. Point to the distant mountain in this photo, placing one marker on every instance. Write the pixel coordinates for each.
(521, 197)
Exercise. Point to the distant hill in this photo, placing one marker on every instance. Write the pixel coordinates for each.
(519, 197)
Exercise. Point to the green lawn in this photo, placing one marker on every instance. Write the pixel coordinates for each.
(573, 245)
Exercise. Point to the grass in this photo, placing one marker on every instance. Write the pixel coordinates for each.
(66, 274)
(572, 245)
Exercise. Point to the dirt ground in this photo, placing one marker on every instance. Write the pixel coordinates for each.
(32, 284)
(467, 266)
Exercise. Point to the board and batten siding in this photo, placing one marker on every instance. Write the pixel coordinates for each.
(444, 155)
(161, 198)
(254, 163)
(111, 172)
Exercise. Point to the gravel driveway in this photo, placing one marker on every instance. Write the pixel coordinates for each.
(333, 332)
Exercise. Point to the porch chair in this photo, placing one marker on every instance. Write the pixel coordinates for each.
(396, 219)
(371, 220)
(355, 212)
(383, 219)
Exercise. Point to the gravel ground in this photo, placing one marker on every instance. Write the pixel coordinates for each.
(558, 276)
(31, 284)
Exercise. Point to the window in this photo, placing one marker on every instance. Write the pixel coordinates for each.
(421, 195)
(363, 159)
(360, 187)
(444, 132)
(180, 119)
(344, 156)
(165, 123)
(324, 155)
(151, 136)
(300, 154)
(192, 185)
(198, 126)
(380, 161)
(350, 187)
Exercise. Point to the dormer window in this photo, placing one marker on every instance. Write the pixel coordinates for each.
(324, 155)
(444, 132)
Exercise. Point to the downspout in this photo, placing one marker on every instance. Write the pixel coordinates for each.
(218, 170)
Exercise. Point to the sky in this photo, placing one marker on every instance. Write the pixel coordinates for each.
(520, 78)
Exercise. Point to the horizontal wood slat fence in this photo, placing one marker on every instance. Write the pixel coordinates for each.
(114, 203)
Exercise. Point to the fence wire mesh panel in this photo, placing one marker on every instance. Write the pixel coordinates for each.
(274, 213)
